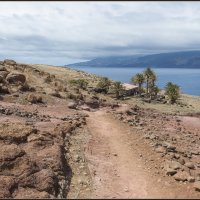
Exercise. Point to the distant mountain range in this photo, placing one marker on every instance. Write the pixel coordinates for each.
(186, 59)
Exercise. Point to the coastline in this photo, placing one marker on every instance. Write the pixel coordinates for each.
(192, 102)
(181, 77)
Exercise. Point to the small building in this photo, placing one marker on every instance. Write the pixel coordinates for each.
(130, 89)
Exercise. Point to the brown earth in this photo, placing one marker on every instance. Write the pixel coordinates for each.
(123, 166)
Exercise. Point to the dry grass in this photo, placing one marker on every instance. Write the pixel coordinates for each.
(192, 105)
(66, 74)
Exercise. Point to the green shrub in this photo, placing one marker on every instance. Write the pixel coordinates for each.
(81, 83)
(104, 84)
(172, 91)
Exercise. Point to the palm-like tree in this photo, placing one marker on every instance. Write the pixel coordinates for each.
(150, 78)
(118, 89)
(138, 79)
(153, 78)
(152, 86)
(147, 74)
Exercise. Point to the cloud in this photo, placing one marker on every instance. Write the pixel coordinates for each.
(64, 32)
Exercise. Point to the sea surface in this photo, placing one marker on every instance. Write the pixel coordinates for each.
(187, 79)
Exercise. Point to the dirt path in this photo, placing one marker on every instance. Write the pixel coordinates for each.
(117, 171)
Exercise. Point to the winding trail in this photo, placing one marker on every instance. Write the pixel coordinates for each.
(116, 169)
(117, 172)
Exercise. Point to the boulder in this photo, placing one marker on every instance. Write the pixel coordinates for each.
(114, 105)
(181, 176)
(25, 87)
(72, 105)
(170, 171)
(15, 133)
(34, 98)
(169, 146)
(84, 107)
(173, 165)
(195, 174)
(181, 161)
(4, 90)
(7, 184)
(152, 137)
(191, 179)
(2, 68)
(190, 165)
(49, 157)
(93, 103)
(44, 180)
(1, 79)
(131, 112)
(16, 78)
(10, 152)
(9, 62)
(56, 94)
(4, 74)
(176, 155)
(195, 152)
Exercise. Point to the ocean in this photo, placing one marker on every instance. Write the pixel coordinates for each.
(187, 79)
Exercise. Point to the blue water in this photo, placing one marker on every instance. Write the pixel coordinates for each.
(187, 79)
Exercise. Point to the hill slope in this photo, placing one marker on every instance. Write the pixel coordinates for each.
(187, 59)
(60, 141)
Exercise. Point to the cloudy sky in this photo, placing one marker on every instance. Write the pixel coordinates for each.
(60, 33)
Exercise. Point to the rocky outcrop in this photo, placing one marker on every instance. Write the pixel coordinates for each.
(9, 62)
(4, 74)
(32, 162)
(32, 98)
(16, 78)
(15, 134)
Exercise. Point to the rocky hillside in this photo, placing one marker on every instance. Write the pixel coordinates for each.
(47, 131)
(37, 124)
(171, 137)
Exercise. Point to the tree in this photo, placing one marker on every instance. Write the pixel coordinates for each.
(104, 83)
(138, 79)
(153, 78)
(172, 91)
(147, 74)
(118, 89)
(154, 91)
(150, 78)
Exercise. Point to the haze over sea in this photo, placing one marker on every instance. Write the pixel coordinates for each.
(187, 79)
